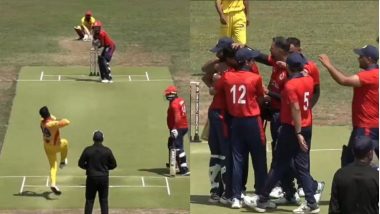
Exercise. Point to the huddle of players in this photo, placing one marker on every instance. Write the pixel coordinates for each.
(236, 123)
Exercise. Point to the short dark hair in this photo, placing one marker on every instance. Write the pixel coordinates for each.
(281, 42)
(229, 52)
(294, 41)
(44, 112)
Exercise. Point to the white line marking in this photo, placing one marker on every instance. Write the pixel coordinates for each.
(111, 186)
(167, 185)
(47, 181)
(142, 181)
(22, 184)
(147, 76)
(194, 82)
(129, 77)
(83, 80)
(42, 75)
(59, 77)
(83, 176)
(82, 75)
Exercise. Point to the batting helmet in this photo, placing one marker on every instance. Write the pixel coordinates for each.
(97, 24)
(88, 13)
(170, 92)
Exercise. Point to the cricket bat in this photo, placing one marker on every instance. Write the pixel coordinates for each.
(172, 163)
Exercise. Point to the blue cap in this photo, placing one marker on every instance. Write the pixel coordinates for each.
(296, 60)
(368, 51)
(224, 42)
(362, 145)
(244, 54)
(98, 136)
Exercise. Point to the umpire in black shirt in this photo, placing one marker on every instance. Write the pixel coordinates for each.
(355, 187)
(97, 160)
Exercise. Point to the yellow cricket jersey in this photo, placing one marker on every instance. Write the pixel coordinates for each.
(50, 129)
(232, 6)
(88, 24)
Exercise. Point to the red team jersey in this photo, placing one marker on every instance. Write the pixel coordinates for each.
(298, 89)
(176, 118)
(105, 39)
(240, 90)
(313, 71)
(218, 101)
(277, 81)
(365, 103)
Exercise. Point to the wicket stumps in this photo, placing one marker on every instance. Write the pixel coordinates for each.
(93, 62)
(194, 90)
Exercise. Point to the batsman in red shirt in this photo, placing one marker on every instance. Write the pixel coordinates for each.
(294, 138)
(177, 125)
(101, 39)
(365, 103)
(242, 90)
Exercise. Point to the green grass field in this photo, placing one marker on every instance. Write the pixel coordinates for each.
(132, 114)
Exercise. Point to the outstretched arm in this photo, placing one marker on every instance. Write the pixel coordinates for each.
(338, 75)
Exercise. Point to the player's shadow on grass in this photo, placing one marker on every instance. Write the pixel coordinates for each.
(83, 79)
(46, 195)
(159, 171)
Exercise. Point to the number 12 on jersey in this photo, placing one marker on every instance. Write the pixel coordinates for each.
(236, 91)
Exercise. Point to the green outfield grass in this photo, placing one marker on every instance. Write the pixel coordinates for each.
(132, 114)
(325, 160)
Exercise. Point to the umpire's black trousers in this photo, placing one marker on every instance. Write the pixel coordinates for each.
(96, 184)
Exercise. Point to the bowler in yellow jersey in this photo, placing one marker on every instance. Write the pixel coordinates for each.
(53, 144)
(233, 16)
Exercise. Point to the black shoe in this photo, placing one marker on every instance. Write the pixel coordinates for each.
(55, 190)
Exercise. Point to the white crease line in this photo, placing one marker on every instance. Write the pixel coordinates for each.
(142, 181)
(22, 184)
(167, 185)
(129, 77)
(59, 77)
(47, 181)
(111, 186)
(42, 75)
(147, 76)
(83, 80)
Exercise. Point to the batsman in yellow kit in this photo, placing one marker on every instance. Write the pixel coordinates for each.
(53, 144)
(234, 20)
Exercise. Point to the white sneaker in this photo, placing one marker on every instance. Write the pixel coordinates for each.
(55, 190)
(214, 198)
(318, 193)
(301, 193)
(262, 207)
(224, 200)
(283, 200)
(104, 81)
(305, 208)
(251, 201)
(63, 163)
(110, 81)
(276, 193)
(236, 203)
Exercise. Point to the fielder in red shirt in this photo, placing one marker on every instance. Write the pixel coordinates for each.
(219, 165)
(242, 91)
(365, 103)
(178, 127)
(278, 52)
(101, 39)
(310, 67)
(294, 136)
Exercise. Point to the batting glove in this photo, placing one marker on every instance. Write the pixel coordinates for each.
(174, 133)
